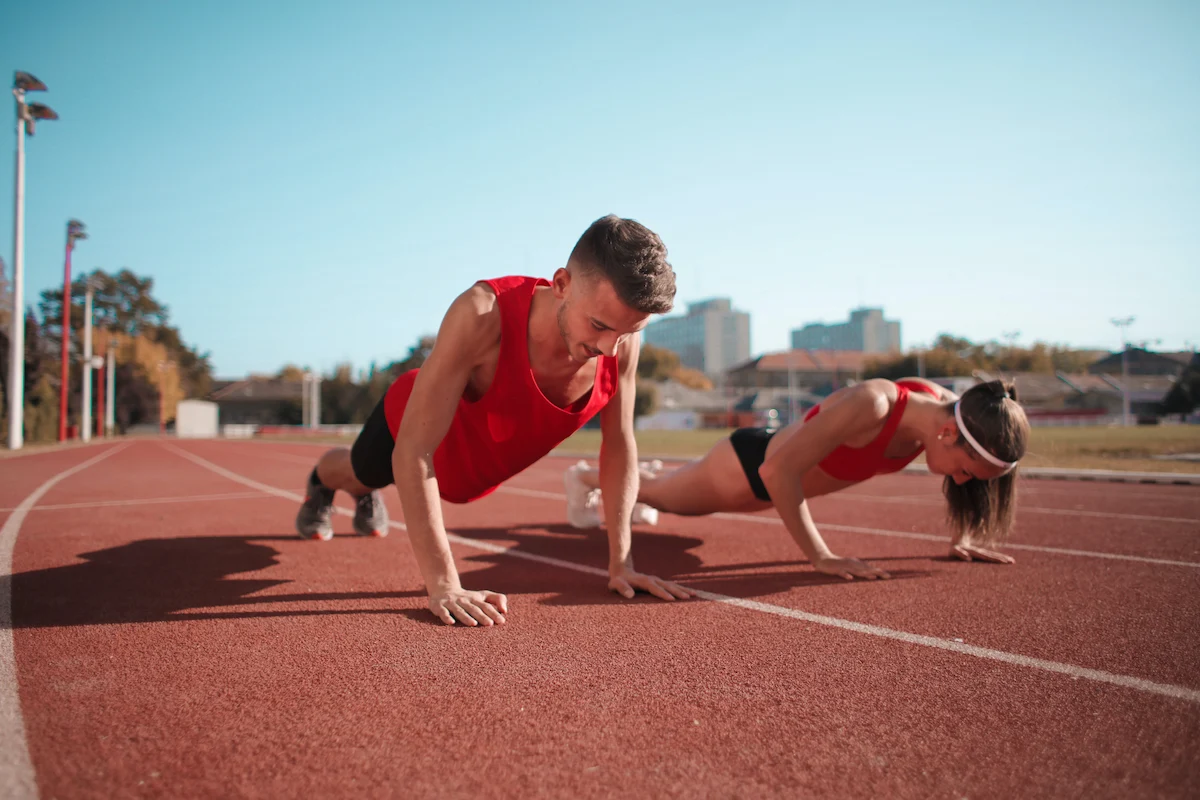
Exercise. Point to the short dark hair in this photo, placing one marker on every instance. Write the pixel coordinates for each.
(632, 258)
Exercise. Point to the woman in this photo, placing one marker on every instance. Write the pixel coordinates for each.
(872, 428)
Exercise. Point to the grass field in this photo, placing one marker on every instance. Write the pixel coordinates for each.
(1128, 449)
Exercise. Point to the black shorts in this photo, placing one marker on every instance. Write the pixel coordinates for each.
(371, 454)
(750, 444)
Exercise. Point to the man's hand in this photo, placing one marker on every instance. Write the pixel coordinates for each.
(469, 608)
(848, 568)
(627, 580)
(969, 552)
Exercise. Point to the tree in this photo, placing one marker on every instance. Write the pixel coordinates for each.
(692, 378)
(41, 411)
(954, 356)
(341, 397)
(1185, 393)
(415, 358)
(645, 399)
(291, 372)
(124, 304)
(136, 397)
(656, 363)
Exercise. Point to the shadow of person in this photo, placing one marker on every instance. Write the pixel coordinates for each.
(155, 580)
(533, 564)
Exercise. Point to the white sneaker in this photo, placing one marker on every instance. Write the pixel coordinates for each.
(644, 515)
(582, 500)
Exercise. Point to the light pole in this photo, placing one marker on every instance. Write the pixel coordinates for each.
(314, 399)
(110, 408)
(74, 232)
(304, 404)
(1122, 324)
(27, 116)
(85, 426)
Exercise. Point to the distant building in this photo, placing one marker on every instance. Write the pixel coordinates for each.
(819, 371)
(258, 401)
(1143, 362)
(866, 332)
(793, 381)
(711, 337)
(1060, 397)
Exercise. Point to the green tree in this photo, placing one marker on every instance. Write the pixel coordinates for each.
(291, 372)
(124, 303)
(692, 378)
(656, 363)
(415, 358)
(41, 411)
(340, 397)
(645, 399)
(1185, 393)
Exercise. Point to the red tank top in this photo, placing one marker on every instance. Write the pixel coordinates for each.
(513, 425)
(859, 463)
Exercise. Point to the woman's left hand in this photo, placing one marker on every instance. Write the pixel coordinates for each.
(969, 552)
(848, 568)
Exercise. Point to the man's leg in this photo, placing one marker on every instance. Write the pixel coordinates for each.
(359, 471)
(335, 470)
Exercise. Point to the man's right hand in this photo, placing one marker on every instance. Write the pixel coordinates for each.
(468, 607)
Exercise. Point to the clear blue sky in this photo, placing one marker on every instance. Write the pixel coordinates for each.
(313, 182)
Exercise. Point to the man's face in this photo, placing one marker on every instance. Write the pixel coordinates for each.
(591, 317)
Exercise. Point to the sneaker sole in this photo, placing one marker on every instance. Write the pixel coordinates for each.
(323, 536)
(378, 533)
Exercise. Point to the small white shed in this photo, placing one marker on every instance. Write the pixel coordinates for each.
(196, 419)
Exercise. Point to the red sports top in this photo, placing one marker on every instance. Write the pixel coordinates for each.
(859, 463)
(513, 425)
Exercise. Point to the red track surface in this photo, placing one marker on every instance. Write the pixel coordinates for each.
(198, 648)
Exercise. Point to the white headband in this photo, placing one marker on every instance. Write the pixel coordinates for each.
(1007, 465)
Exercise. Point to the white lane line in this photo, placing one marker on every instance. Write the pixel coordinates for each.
(1127, 681)
(17, 778)
(925, 537)
(195, 498)
(1072, 670)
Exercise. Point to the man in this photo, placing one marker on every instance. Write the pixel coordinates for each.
(519, 364)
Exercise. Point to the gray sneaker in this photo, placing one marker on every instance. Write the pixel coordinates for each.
(314, 520)
(370, 516)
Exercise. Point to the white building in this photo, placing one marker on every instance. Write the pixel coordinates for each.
(711, 337)
(866, 331)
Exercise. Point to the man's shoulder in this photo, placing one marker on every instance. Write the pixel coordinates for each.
(476, 312)
(508, 283)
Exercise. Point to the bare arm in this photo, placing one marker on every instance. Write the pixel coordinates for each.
(943, 394)
(619, 481)
(469, 331)
(783, 472)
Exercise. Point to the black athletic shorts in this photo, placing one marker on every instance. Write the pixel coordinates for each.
(750, 444)
(371, 454)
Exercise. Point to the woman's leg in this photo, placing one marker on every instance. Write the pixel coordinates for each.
(713, 483)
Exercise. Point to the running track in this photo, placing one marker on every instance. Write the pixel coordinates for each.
(163, 633)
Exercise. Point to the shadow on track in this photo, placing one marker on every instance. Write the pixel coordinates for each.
(158, 580)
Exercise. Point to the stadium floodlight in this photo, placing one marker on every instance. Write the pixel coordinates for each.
(27, 115)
